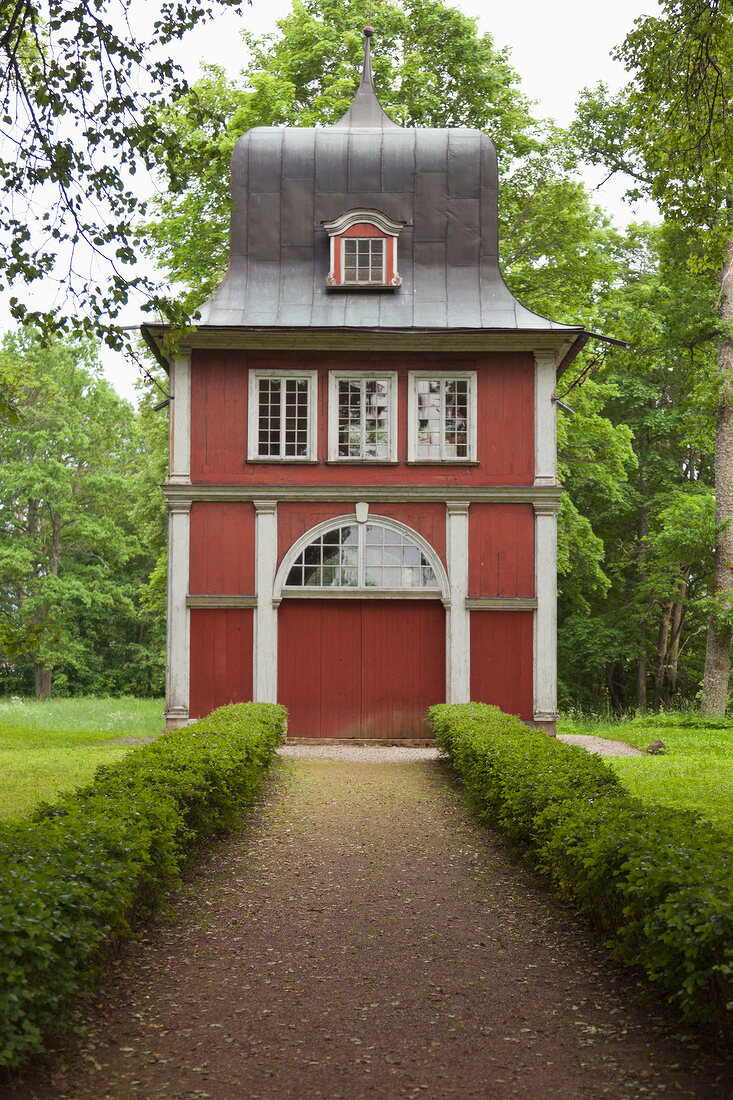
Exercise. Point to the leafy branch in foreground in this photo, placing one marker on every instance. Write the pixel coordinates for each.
(80, 94)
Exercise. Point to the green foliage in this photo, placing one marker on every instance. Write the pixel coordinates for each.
(656, 882)
(77, 509)
(652, 522)
(80, 91)
(79, 874)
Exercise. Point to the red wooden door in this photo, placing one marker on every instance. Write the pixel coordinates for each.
(360, 668)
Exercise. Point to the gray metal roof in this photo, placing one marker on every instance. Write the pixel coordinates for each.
(443, 184)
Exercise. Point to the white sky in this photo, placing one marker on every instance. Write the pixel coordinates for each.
(556, 48)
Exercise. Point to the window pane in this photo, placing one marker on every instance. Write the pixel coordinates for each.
(442, 417)
(363, 260)
(283, 405)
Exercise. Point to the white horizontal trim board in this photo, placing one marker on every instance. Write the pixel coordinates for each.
(361, 594)
(501, 603)
(221, 601)
(399, 494)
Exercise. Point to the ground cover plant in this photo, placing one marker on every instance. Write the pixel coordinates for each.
(79, 874)
(50, 747)
(656, 880)
(696, 771)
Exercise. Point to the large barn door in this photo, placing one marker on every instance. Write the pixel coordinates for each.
(360, 668)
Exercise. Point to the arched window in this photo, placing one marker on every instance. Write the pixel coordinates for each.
(370, 556)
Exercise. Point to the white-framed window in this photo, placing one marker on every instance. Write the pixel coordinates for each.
(282, 415)
(441, 417)
(362, 416)
(363, 259)
(363, 251)
(367, 556)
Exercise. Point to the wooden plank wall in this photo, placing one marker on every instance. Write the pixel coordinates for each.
(501, 660)
(221, 658)
(501, 550)
(222, 555)
(219, 421)
(360, 668)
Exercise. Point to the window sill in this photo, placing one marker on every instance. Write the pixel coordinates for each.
(348, 287)
(271, 461)
(362, 462)
(443, 462)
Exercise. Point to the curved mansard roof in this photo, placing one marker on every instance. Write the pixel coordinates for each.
(442, 184)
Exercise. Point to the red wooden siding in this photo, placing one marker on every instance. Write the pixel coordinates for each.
(501, 550)
(427, 518)
(360, 668)
(501, 660)
(221, 658)
(219, 420)
(222, 549)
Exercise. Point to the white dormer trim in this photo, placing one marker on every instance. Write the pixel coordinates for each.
(387, 225)
(380, 227)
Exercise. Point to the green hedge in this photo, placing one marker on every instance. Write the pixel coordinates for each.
(76, 875)
(658, 882)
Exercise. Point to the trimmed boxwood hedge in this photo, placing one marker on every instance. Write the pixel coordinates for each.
(77, 875)
(658, 882)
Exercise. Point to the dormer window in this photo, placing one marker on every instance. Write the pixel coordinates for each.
(363, 251)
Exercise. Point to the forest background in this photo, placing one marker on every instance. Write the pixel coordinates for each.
(82, 521)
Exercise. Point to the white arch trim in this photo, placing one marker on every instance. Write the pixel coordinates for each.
(374, 521)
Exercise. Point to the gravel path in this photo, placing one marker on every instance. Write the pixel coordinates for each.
(396, 754)
(602, 746)
(361, 937)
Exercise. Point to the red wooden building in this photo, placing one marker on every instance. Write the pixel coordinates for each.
(362, 490)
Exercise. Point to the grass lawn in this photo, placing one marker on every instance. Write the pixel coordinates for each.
(696, 773)
(48, 748)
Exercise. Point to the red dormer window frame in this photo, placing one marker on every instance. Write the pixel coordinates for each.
(363, 225)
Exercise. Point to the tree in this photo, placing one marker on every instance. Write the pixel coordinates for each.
(79, 91)
(71, 561)
(432, 68)
(670, 130)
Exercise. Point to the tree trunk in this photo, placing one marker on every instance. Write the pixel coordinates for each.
(641, 667)
(615, 685)
(662, 645)
(678, 618)
(717, 653)
(43, 682)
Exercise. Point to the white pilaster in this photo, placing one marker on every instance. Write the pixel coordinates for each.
(178, 651)
(545, 419)
(180, 421)
(265, 640)
(545, 618)
(457, 626)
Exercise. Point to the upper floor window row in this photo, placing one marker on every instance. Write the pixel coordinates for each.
(362, 416)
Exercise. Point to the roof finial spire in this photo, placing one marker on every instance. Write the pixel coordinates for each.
(366, 110)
